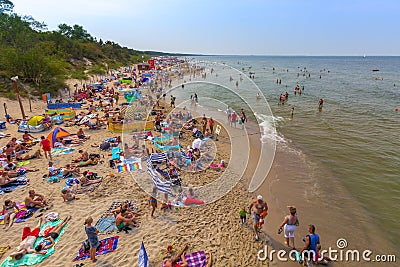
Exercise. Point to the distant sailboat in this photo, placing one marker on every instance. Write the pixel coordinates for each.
(364, 56)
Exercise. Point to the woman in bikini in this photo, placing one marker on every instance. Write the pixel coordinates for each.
(49, 240)
(9, 213)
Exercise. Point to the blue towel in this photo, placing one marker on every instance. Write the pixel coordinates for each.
(115, 153)
(106, 224)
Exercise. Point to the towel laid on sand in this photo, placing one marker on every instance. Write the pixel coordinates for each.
(21, 181)
(196, 259)
(22, 215)
(107, 245)
(32, 259)
(57, 151)
(106, 225)
(3, 250)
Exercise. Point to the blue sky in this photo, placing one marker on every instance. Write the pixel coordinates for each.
(250, 27)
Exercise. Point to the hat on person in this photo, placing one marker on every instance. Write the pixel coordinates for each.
(259, 197)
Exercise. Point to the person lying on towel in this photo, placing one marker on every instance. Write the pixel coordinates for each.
(173, 262)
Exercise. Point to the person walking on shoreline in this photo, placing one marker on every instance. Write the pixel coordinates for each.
(233, 119)
(243, 117)
(229, 114)
(257, 206)
(289, 226)
(311, 241)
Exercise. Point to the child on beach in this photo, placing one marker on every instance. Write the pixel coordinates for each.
(68, 195)
(243, 213)
(153, 203)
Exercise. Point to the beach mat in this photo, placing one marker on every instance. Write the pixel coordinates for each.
(3, 250)
(129, 167)
(107, 245)
(115, 153)
(23, 163)
(58, 151)
(32, 259)
(20, 182)
(196, 259)
(22, 215)
(106, 225)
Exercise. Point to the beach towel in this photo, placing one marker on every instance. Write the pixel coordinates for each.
(107, 245)
(57, 151)
(115, 153)
(196, 259)
(22, 215)
(55, 178)
(21, 181)
(3, 250)
(23, 163)
(32, 259)
(129, 167)
(106, 225)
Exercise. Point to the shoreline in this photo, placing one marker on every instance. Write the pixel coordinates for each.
(213, 227)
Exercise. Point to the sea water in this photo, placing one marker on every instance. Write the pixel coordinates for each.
(354, 139)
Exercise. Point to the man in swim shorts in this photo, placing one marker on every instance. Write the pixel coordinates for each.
(257, 206)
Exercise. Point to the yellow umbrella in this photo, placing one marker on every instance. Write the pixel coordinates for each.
(35, 120)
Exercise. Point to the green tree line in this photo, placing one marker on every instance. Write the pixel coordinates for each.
(44, 59)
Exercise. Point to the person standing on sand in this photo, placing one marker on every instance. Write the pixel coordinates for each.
(204, 123)
(311, 242)
(233, 119)
(229, 114)
(153, 204)
(257, 206)
(46, 147)
(211, 125)
(289, 226)
(91, 233)
(292, 112)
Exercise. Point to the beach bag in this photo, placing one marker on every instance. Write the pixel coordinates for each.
(86, 246)
(297, 221)
(112, 164)
(51, 217)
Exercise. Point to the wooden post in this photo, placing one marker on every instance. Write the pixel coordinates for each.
(14, 79)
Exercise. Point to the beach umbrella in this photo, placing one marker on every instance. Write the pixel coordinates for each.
(35, 120)
(57, 133)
